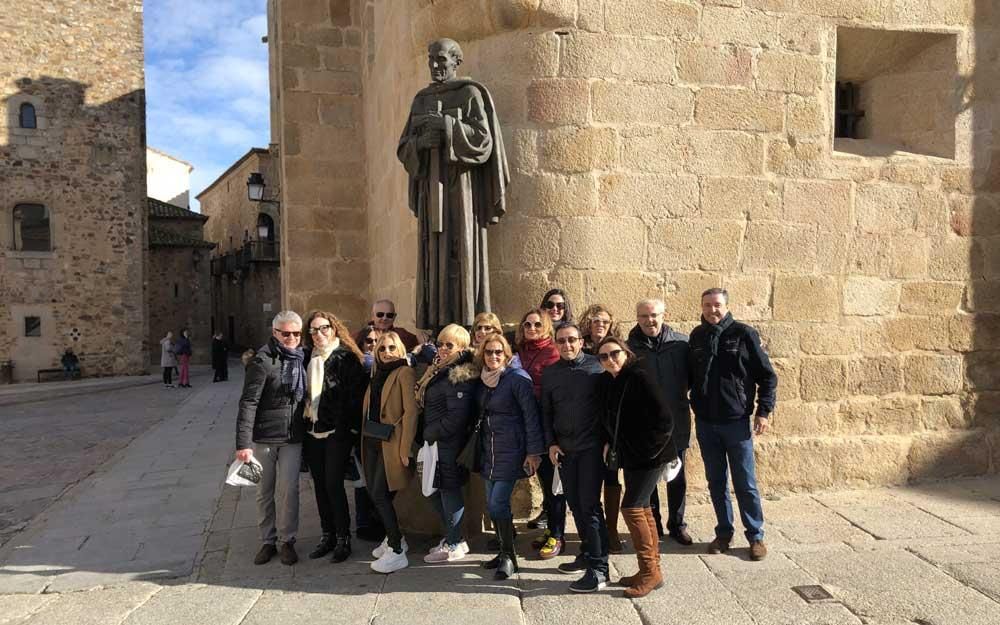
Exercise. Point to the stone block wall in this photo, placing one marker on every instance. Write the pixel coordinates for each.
(81, 65)
(180, 296)
(659, 148)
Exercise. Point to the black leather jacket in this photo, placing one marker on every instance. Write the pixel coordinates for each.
(268, 412)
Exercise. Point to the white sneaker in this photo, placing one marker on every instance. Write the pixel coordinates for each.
(438, 547)
(450, 553)
(379, 551)
(390, 562)
(464, 547)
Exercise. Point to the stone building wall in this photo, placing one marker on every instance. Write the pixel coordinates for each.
(180, 296)
(168, 178)
(659, 148)
(81, 65)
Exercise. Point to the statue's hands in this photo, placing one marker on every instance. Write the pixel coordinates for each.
(430, 140)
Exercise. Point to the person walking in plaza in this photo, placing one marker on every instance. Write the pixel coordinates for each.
(637, 426)
(447, 395)
(269, 427)
(220, 358)
(511, 441)
(663, 353)
(390, 425)
(730, 373)
(536, 350)
(556, 304)
(168, 360)
(335, 387)
(183, 350)
(598, 323)
(383, 319)
(571, 416)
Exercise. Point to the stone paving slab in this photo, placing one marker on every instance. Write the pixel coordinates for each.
(104, 607)
(196, 604)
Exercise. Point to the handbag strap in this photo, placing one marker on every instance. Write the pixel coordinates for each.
(618, 416)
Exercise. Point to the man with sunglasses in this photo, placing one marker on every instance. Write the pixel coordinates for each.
(663, 353)
(269, 428)
(384, 319)
(571, 416)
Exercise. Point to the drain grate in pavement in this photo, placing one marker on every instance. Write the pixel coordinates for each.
(812, 594)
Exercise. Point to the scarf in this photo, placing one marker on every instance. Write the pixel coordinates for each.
(432, 371)
(714, 333)
(292, 370)
(379, 375)
(491, 378)
(316, 372)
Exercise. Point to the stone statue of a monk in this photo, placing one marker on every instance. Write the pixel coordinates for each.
(452, 150)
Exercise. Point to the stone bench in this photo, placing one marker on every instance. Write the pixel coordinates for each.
(60, 372)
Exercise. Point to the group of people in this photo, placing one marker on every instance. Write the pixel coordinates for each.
(175, 355)
(573, 401)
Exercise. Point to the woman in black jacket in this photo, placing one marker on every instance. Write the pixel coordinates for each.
(447, 395)
(335, 390)
(638, 426)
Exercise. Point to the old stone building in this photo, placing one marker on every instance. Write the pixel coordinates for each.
(72, 186)
(246, 283)
(662, 147)
(180, 286)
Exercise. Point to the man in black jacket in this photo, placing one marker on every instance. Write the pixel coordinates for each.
(663, 353)
(270, 428)
(730, 371)
(571, 416)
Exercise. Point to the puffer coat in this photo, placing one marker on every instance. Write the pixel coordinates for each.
(511, 428)
(450, 410)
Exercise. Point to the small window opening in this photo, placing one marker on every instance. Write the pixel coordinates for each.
(32, 231)
(849, 114)
(27, 116)
(32, 326)
(177, 290)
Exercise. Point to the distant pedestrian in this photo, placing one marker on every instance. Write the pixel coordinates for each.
(269, 427)
(168, 360)
(730, 373)
(70, 363)
(220, 358)
(183, 350)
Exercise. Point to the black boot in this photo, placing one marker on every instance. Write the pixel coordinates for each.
(507, 565)
(540, 522)
(324, 547)
(342, 550)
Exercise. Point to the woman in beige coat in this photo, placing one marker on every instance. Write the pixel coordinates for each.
(390, 414)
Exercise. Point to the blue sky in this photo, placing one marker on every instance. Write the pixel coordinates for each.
(207, 93)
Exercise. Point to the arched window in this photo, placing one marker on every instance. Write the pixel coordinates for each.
(27, 116)
(32, 232)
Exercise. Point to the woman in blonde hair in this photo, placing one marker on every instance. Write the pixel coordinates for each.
(335, 388)
(486, 323)
(390, 424)
(446, 394)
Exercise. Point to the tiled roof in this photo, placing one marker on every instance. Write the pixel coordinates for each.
(162, 210)
(162, 237)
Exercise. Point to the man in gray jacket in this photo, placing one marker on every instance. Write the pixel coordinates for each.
(270, 428)
(571, 416)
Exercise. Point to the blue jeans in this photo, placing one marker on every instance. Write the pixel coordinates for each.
(450, 506)
(728, 446)
(498, 493)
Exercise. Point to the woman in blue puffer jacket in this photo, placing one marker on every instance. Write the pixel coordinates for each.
(511, 441)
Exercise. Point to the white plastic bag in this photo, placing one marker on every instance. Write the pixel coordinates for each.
(427, 459)
(673, 470)
(557, 488)
(236, 477)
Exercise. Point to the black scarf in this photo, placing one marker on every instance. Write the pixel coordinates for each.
(714, 333)
(380, 374)
(293, 371)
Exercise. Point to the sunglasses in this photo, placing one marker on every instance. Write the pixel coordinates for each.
(486, 329)
(370, 341)
(387, 315)
(532, 324)
(443, 344)
(599, 321)
(320, 330)
(615, 353)
(386, 348)
(493, 352)
(286, 335)
(557, 305)
(568, 339)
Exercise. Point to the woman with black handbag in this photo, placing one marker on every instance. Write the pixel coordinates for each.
(510, 441)
(390, 425)
(638, 426)
(447, 394)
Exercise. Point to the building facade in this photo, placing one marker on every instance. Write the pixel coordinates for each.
(832, 163)
(73, 191)
(168, 178)
(246, 281)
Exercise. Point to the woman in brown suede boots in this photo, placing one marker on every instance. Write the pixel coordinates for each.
(638, 425)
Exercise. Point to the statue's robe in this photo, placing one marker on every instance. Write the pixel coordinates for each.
(453, 282)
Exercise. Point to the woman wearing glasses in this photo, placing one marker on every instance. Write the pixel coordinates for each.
(368, 339)
(536, 350)
(511, 441)
(335, 387)
(390, 413)
(446, 394)
(556, 303)
(485, 324)
(638, 427)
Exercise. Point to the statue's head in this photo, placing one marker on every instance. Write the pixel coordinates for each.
(443, 58)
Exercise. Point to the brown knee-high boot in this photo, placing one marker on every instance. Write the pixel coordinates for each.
(635, 520)
(648, 554)
(612, 504)
(632, 580)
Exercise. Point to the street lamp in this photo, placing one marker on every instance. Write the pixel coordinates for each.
(255, 187)
(263, 231)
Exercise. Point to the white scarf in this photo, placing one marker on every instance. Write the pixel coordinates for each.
(314, 383)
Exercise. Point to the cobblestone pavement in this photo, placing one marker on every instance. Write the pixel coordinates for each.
(153, 537)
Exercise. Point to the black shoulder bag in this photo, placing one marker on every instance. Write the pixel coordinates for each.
(469, 457)
(613, 461)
